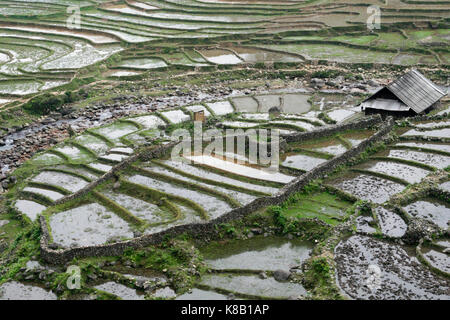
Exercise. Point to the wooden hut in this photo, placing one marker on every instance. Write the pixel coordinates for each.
(409, 95)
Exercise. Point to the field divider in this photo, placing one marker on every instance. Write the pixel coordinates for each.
(62, 256)
(210, 181)
(425, 262)
(407, 162)
(237, 294)
(421, 149)
(191, 185)
(39, 198)
(159, 195)
(118, 209)
(347, 144)
(312, 153)
(84, 148)
(381, 175)
(70, 173)
(109, 142)
(150, 198)
(51, 187)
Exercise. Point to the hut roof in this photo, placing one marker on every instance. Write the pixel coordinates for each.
(416, 91)
(413, 89)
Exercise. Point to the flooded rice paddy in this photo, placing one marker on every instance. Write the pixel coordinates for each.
(438, 133)
(252, 286)
(302, 162)
(118, 36)
(100, 167)
(93, 143)
(206, 174)
(29, 208)
(119, 290)
(176, 116)
(242, 170)
(144, 210)
(52, 195)
(373, 269)
(213, 205)
(432, 211)
(445, 186)
(62, 180)
(17, 291)
(435, 160)
(398, 170)
(438, 260)
(199, 294)
(242, 198)
(116, 130)
(88, 225)
(431, 146)
(258, 253)
(370, 188)
(220, 56)
(391, 224)
(165, 193)
(144, 63)
(220, 108)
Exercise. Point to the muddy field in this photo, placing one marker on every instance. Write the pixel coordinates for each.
(85, 182)
(263, 260)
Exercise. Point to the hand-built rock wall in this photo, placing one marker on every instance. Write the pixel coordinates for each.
(62, 256)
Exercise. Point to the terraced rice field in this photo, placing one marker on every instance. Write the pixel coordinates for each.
(385, 175)
(336, 210)
(146, 197)
(156, 195)
(143, 36)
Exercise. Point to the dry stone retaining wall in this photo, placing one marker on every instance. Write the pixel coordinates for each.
(63, 256)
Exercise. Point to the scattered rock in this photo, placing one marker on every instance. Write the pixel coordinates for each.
(281, 275)
(92, 276)
(275, 111)
(419, 229)
(53, 246)
(137, 234)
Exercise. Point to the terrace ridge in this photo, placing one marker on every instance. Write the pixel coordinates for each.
(64, 255)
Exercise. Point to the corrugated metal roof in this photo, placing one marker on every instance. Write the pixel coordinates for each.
(416, 91)
(385, 104)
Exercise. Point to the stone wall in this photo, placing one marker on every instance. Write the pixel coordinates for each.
(62, 256)
(327, 167)
(330, 130)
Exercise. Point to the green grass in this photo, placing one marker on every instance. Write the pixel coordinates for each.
(360, 40)
(20, 250)
(318, 278)
(322, 205)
